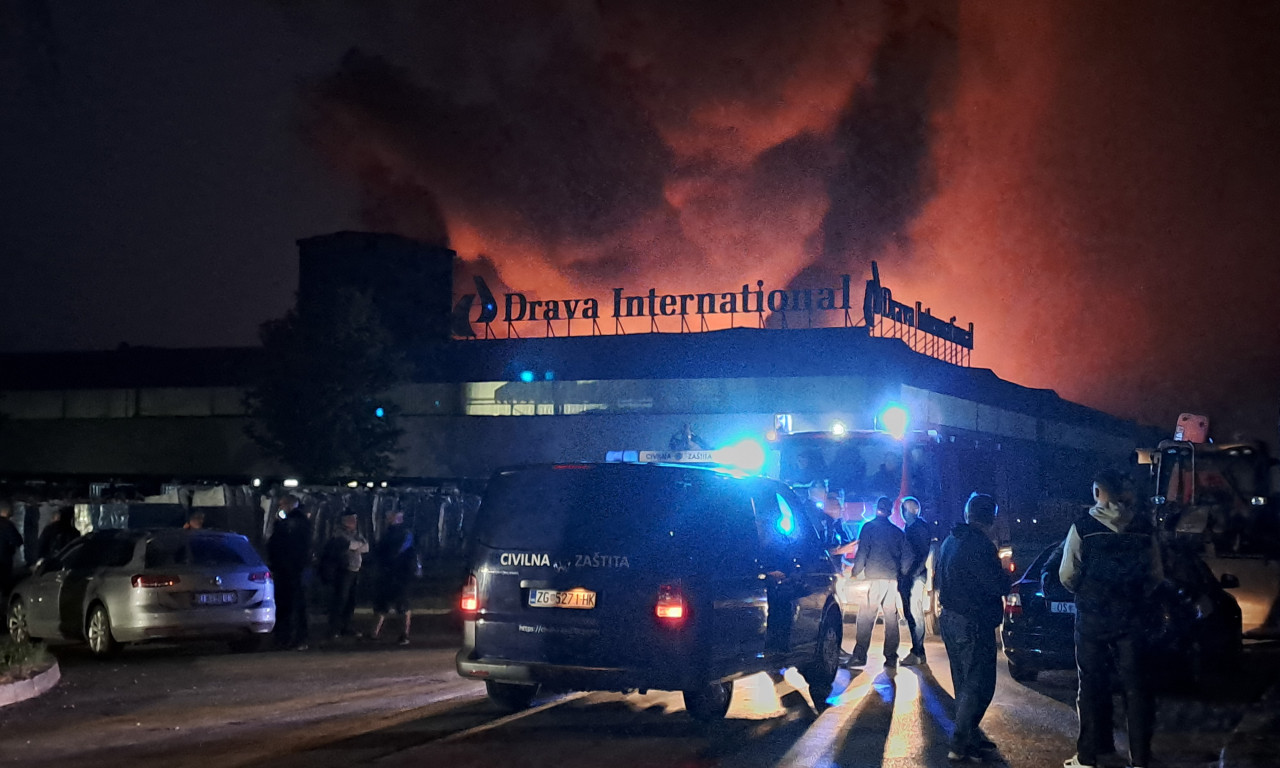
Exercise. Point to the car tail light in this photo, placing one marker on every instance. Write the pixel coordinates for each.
(1013, 602)
(469, 602)
(262, 577)
(143, 580)
(670, 606)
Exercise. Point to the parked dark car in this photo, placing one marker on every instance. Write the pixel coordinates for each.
(113, 587)
(640, 576)
(1194, 622)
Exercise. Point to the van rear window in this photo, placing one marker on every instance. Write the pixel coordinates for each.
(615, 510)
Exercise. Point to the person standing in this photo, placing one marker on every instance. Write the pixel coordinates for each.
(912, 585)
(837, 539)
(290, 553)
(346, 549)
(879, 558)
(10, 543)
(833, 529)
(56, 535)
(1111, 561)
(971, 585)
(396, 559)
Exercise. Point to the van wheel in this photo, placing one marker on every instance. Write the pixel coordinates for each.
(1023, 673)
(510, 697)
(98, 632)
(709, 702)
(821, 672)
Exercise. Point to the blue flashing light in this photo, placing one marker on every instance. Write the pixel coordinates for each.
(746, 455)
(613, 456)
(786, 519)
(526, 376)
(379, 412)
(632, 456)
(838, 428)
(894, 421)
(549, 375)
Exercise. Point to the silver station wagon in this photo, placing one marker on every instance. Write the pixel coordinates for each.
(109, 588)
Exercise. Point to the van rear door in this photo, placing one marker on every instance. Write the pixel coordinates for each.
(570, 561)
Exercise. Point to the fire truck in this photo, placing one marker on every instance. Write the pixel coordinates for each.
(1214, 497)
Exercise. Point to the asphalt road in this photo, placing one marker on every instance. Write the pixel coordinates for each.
(362, 703)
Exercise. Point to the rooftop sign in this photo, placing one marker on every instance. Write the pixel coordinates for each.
(821, 306)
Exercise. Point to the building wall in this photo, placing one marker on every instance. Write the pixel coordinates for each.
(466, 430)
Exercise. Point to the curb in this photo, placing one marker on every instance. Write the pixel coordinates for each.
(12, 693)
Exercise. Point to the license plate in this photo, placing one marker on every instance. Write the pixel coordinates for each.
(582, 599)
(1064, 607)
(214, 598)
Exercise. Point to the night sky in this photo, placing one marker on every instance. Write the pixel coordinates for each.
(1095, 185)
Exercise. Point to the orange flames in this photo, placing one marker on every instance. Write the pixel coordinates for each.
(1045, 172)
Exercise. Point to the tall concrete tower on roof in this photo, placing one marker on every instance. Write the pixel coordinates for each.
(411, 282)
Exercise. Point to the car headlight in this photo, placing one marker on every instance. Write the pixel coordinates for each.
(1258, 501)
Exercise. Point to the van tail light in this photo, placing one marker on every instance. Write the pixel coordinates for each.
(261, 577)
(144, 580)
(1013, 602)
(469, 602)
(670, 606)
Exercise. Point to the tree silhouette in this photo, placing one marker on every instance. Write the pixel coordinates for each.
(319, 404)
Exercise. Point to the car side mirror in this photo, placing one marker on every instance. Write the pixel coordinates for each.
(1229, 581)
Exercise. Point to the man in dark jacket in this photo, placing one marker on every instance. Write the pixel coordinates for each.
(10, 543)
(911, 587)
(971, 585)
(290, 553)
(57, 534)
(1111, 561)
(880, 558)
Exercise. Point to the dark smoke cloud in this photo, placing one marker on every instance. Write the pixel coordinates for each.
(629, 140)
(885, 174)
(1086, 182)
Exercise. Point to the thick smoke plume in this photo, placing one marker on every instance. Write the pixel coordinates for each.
(1085, 182)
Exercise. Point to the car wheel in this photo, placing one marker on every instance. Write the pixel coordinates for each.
(98, 632)
(510, 697)
(821, 672)
(709, 702)
(1022, 672)
(19, 630)
(246, 644)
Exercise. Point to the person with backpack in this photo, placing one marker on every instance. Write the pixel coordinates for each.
(1111, 561)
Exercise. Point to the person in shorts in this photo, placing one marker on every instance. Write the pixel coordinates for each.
(397, 563)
